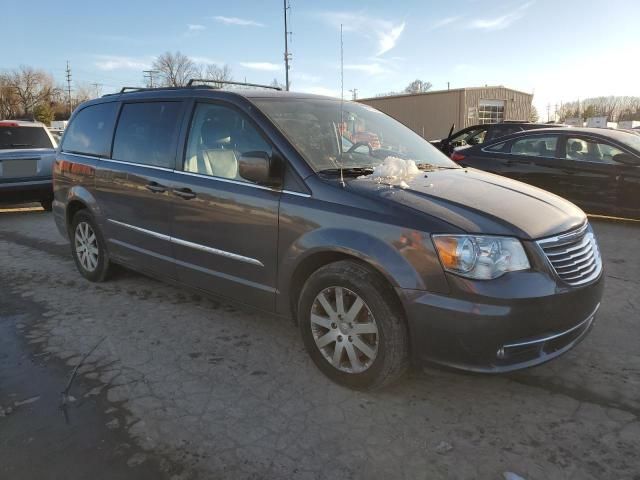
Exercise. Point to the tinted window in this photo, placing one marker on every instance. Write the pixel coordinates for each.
(498, 147)
(535, 146)
(501, 131)
(147, 133)
(91, 130)
(217, 138)
(24, 137)
(588, 150)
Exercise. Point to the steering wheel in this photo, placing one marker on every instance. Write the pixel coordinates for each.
(356, 145)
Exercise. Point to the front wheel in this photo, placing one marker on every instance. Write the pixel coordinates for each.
(88, 247)
(352, 326)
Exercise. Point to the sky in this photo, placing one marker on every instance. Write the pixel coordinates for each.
(557, 50)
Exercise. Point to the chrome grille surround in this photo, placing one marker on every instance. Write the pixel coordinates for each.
(574, 256)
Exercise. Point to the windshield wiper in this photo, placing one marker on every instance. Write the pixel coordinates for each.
(347, 171)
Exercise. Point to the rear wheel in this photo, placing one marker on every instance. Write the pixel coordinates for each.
(88, 248)
(352, 327)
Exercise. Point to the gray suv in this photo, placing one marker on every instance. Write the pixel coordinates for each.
(381, 249)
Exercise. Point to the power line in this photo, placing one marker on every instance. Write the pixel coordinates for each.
(287, 55)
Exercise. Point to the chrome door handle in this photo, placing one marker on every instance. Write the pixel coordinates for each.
(185, 193)
(155, 187)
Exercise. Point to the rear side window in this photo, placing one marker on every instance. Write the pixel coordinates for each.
(147, 133)
(535, 146)
(24, 137)
(91, 130)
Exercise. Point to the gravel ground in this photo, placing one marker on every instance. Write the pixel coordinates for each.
(206, 389)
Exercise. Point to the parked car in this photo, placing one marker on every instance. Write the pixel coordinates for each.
(479, 134)
(27, 151)
(597, 169)
(381, 255)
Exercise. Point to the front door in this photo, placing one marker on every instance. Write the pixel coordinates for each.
(132, 186)
(225, 228)
(589, 174)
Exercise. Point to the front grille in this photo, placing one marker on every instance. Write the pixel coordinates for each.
(574, 256)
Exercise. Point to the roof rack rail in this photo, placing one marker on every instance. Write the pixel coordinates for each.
(124, 89)
(228, 82)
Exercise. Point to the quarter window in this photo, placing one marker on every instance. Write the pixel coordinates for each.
(217, 138)
(535, 146)
(147, 133)
(588, 150)
(91, 130)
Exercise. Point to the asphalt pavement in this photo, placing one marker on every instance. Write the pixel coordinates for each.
(181, 386)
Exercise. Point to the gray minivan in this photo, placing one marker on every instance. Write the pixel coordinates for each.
(382, 250)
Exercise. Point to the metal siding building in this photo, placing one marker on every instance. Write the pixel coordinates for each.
(431, 114)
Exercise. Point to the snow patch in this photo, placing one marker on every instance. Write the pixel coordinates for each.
(394, 168)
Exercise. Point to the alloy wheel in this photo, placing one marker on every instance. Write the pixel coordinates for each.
(344, 329)
(86, 244)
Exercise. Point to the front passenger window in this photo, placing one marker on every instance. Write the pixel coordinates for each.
(217, 138)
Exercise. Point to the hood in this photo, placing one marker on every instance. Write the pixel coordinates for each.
(479, 202)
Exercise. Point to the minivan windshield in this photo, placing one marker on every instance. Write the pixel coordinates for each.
(331, 134)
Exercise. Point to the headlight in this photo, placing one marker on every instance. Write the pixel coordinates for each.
(480, 257)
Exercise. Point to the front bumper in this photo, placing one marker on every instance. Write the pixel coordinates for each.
(518, 321)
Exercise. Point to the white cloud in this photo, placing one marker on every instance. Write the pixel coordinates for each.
(263, 66)
(243, 22)
(501, 22)
(304, 77)
(195, 28)
(368, 68)
(384, 32)
(111, 62)
(388, 39)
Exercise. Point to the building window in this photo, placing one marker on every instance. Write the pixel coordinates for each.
(490, 111)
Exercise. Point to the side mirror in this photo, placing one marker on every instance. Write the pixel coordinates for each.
(258, 167)
(626, 158)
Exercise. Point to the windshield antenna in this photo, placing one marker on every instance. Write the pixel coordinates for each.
(341, 105)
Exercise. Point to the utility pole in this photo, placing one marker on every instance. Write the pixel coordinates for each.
(354, 94)
(97, 86)
(68, 70)
(287, 55)
(548, 111)
(149, 74)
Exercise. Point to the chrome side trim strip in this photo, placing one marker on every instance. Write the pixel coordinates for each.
(161, 236)
(555, 335)
(144, 165)
(185, 243)
(215, 251)
(192, 174)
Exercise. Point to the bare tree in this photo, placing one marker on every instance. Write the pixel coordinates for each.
(83, 92)
(175, 69)
(9, 101)
(533, 114)
(418, 86)
(214, 72)
(32, 87)
(277, 84)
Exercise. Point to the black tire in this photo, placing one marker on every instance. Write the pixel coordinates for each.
(392, 357)
(47, 205)
(102, 267)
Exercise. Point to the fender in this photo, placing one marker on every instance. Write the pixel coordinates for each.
(405, 259)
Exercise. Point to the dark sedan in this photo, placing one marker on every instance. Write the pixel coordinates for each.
(598, 169)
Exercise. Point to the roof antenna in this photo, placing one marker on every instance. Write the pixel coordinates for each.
(341, 106)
